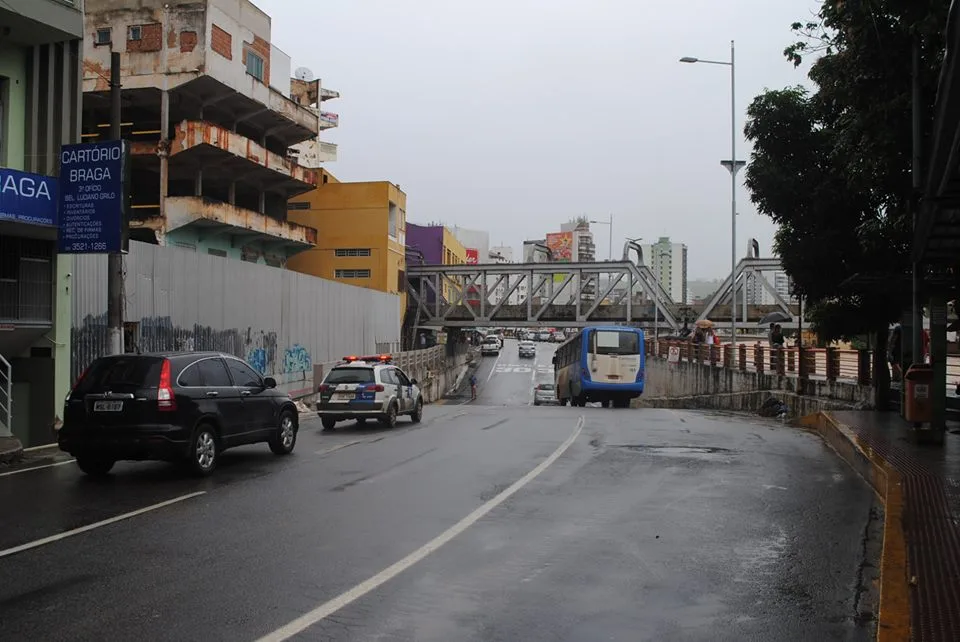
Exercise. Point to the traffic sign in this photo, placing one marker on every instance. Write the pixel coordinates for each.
(94, 189)
(673, 356)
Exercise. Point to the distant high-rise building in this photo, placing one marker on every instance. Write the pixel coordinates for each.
(668, 262)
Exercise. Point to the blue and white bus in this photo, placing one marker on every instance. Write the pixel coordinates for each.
(602, 364)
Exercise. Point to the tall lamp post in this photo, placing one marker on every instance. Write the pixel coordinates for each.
(610, 224)
(733, 165)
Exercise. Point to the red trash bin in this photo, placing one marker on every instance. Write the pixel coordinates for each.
(918, 404)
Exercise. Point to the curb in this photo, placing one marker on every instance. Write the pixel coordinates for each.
(893, 620)
(11, 450)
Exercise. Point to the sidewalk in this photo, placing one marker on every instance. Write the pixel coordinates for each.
(10, 450)
(920, 486)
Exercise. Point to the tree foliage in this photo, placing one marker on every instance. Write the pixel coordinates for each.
(832, 167)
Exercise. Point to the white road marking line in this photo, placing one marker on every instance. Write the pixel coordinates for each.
(27, 470)
(327, 609)
(332, 449)
(89, 527)
(494, 368)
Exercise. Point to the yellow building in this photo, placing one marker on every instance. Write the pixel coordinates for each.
(454, 252)
(361, 233)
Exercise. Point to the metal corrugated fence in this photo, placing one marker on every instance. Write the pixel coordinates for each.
(282, 322)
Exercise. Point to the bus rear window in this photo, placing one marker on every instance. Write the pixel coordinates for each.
(614, 342)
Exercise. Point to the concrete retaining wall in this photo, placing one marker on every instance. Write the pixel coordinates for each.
(687, 379)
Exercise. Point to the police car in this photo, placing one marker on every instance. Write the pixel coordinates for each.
(361, 388)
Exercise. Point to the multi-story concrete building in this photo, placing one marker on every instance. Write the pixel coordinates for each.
(361, 233)
(40, 63)
(668, 262)
(476, 242)
(213, 116)
(439, 246)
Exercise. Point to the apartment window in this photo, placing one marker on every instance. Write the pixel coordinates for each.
(186, 246)
(298, 205)
(352, 251)
(353, 274)
(212, 251)
(394, 219)
(135, 32)
(254, 65)
(104, 36)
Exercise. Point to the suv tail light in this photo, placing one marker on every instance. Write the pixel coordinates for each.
(374, 388)
(166, 400)
(77, 383)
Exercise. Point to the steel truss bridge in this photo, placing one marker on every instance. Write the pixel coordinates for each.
(574, 295)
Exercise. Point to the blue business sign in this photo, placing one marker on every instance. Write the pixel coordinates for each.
(27, 198)
(94, 181)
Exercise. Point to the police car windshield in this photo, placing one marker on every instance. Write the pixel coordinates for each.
(351, 375)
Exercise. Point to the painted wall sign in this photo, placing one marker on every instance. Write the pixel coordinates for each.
(94, 187)
(28, 198)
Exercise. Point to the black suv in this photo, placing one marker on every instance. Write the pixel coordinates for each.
(179, 406)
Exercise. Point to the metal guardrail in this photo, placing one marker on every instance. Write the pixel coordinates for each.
(6, 396)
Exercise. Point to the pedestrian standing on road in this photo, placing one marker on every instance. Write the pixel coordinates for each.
(473, 387)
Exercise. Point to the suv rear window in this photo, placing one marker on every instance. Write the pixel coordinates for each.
(350, 375)
(121, 374)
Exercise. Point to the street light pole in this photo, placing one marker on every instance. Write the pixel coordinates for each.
(733, 165)
(610, 224)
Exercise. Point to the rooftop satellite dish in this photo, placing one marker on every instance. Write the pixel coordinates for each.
(302, 73)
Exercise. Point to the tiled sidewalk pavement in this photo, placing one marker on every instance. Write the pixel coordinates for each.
(930, 481)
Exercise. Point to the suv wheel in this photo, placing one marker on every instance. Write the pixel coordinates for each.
(285, 439)
(95, 466)
(204, 451)
(417, 411)
(390, 419)
(328, 423)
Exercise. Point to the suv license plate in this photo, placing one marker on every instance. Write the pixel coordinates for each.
(108, 406)
(344, 396)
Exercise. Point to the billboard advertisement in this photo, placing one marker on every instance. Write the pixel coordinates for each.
(561, 246)
(473, 256)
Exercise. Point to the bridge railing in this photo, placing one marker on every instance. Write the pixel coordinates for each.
(830, 364)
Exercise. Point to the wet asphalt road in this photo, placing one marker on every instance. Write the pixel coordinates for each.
(650, 525)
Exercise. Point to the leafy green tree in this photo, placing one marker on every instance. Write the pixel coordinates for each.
(833, 167)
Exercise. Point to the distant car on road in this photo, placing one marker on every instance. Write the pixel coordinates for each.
(364, 388)
(178, 406)
(527, 349)
(545, 394)
(557, 337)
(543, 336)
(490, 345)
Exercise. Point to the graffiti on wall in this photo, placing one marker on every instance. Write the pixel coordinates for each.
(158, 334)
(297, 359)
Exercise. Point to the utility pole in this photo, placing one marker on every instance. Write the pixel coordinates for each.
(115, 259)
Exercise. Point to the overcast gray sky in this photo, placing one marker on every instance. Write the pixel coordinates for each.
(516, 115)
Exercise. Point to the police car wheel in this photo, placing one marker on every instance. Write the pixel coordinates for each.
(328, 424)
(417, 414)
(390, 419)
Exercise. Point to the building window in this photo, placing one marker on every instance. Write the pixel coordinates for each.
(352, 251)
(394, 219)
(135, 32)
(353, 274)
(104, 36)
(212, 251)
(254, 65)
(298, 205)
(186, 246)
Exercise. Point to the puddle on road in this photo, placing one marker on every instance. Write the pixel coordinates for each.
(673, 450)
